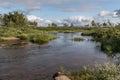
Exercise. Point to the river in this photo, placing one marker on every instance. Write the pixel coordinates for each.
(40, 62)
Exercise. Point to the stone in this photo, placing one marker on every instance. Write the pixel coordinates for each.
(60, 76)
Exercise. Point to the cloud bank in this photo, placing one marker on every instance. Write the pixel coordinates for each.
(114, 14)
(77, 20)
(40, 21)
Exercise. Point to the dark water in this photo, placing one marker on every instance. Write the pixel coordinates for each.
(34, 62)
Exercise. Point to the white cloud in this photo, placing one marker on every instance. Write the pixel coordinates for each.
(117, 13)
(78, 20)
(105, 13)
(32, 17)
(40, 21)
(114, 14)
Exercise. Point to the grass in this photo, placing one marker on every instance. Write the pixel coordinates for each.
(28, 34)
(78, 39)
(41, 39)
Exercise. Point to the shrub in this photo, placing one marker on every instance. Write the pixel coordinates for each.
(23, 36)
(106, 71)
(41, 39)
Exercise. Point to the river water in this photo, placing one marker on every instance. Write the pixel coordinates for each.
(40, 62)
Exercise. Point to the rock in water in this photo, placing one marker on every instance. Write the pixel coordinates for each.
(60, 76)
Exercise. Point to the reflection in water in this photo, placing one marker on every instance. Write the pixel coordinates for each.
(34, 62)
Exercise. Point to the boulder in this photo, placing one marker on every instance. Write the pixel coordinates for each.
(60, 76)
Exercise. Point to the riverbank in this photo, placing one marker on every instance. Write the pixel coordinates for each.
(109, 37)
(32, 35)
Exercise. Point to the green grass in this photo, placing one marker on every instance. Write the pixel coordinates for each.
(28, 34)
(41, 39)
(78, 39)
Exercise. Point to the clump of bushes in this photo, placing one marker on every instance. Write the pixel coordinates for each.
(41, 39)
(23, 36)
(77, 39)
(106, 71)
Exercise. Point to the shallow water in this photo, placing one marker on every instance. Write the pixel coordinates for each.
(40, 62)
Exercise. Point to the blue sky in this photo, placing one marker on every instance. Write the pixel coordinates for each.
(60, 9)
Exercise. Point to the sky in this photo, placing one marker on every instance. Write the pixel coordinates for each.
(78, 12)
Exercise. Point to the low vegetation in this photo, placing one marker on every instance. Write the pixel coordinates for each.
(99, 72)
(27, 34)
(41, 39)
(109, 38)
(78, 39)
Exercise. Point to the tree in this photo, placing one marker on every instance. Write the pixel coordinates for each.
(98, 24)
(65, 25)
(93, 23)
(54, 25)
(104, 24)
(110, 24)
(11, 24)
(34, 23)
(1, 19)
(72, 25)
(18, 18)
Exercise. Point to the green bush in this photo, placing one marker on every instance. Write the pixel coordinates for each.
(99, 72)
(41, 39)
(23, 36)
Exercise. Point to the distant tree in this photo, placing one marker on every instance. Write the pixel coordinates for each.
(49, 25)
(72, 25)
(34, 23)
(93, 23)
(18, 18)
(105, 24)
(110, 24)
(54, 25)
(1, 19)
(98, 24)
(65, 25)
